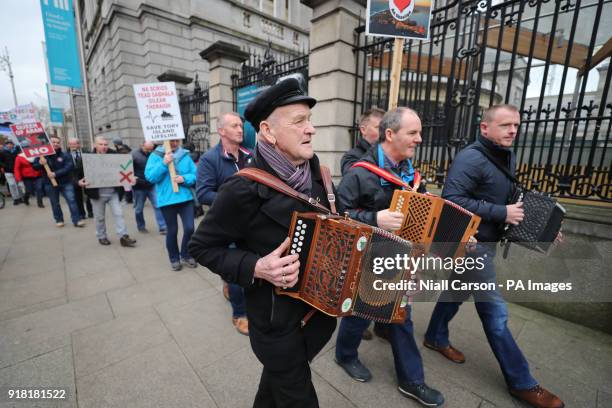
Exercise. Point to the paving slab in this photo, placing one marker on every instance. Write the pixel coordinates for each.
(40, 332)
(52, 370)
(100, 282)
(107, 343)
(152, 292)
(29, 290)
(158, 377)
(204, 331)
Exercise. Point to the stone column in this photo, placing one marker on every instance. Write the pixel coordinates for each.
(224, 59)
(332, 73)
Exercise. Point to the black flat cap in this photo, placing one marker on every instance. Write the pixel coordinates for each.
(283, 93)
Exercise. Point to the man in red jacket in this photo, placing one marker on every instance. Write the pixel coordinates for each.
(30, 178)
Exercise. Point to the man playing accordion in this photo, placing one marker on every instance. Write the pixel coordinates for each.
(476, 184)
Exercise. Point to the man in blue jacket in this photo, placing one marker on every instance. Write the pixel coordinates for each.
(214, 167)
(476, 184)
(61, 167)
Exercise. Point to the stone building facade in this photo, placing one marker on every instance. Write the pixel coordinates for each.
(135, 41)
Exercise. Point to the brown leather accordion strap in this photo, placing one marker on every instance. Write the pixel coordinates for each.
(327, 183)
(267, 179)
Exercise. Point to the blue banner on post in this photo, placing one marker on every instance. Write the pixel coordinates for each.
(244, 96)
(56, 113)
(60, 36)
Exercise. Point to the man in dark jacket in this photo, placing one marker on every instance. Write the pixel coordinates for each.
(216, 166)
(8, 155)
(74, 148)
(143, 189)
(257, 219)
(476, 184)
(367, 196)
(61, 167)
(368, 127)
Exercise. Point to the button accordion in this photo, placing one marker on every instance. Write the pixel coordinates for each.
(336, 274)
(434, 225)
(542, 222)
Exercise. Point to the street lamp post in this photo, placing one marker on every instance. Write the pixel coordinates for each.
(5, 65)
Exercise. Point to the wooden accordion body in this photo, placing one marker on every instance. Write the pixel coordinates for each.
(434, 225)
(336, 267)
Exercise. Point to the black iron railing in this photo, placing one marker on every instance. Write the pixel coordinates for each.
(539, 55)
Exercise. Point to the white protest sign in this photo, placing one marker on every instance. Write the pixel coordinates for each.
(108, 170)
(19, 114)
(159, 111)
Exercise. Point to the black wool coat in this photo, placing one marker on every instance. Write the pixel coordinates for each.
(257, 219)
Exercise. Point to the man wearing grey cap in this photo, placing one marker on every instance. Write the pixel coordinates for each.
(257, 219)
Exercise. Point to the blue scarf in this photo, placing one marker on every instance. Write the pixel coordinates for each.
(407, 177)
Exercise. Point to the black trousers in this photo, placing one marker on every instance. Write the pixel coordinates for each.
(291, 388)
(82, 201)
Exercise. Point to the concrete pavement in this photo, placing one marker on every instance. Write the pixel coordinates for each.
(119, 329)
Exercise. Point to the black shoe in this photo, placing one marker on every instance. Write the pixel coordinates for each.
(41, 205)
(104, 241)
(126, 241)
(26, 201)
(356, 370)
(382, 331)
(422, 393)
(17, 201)
(90, 215)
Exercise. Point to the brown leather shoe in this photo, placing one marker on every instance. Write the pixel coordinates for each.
(538, 397)
(449, 352)
(226, 291)
(242, 325)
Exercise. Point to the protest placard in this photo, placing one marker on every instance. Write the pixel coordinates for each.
(32, 139)
(407, 19)
(160, 116)
(34, 142)
(108, 170)
(402, 19)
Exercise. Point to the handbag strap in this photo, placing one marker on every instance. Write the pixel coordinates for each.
(329, 188)
(496, 162)
(267, 179)
(382, 173)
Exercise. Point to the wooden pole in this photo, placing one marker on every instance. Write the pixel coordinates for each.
(48, 170)
(396, 72)
(171, 168)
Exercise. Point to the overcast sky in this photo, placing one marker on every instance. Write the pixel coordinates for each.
(21, 31)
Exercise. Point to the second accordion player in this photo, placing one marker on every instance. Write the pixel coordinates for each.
(433, 224)
(336, 276)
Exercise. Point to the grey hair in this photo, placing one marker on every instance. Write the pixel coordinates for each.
(221, 118)
(393, 120)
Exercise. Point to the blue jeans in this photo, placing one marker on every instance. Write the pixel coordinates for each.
(493, 314)
(171, 214)
(408, 362)
(236, 296)
(140, 196)
(67, 191)
(34, 186)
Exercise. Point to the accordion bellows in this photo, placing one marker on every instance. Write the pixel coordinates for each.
(542, 222)
(434, 225)
(336, 267)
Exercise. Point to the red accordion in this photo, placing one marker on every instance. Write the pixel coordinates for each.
(337, 257)
(433, 224)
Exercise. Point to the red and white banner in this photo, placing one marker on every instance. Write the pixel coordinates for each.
(32, 139)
